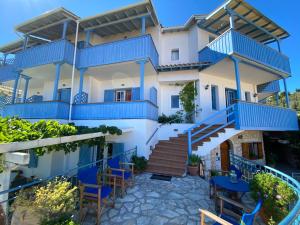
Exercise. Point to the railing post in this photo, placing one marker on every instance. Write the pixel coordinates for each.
(287, 101)
(87, 38)
(277, 98)
(56, 81)
(65, 29)
(26, 88)
(82, 71)
(237, 115)
(143, 27)
(189, 143)
(15, 90)
(26, 39)
(142, 77)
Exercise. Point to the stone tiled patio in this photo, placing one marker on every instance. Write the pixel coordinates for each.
(159, 202)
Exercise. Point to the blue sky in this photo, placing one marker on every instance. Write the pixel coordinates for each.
(170, 12)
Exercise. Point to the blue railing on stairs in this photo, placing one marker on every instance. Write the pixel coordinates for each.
(225, 117)
(250, 168)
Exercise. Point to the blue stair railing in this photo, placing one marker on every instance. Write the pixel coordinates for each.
(225, 117)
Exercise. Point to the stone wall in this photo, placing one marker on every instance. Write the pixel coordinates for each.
(213, 161)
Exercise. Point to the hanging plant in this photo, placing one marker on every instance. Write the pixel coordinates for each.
(187, 98)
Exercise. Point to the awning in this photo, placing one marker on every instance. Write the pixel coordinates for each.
(50, 24)
(122, 20)
(248, 21)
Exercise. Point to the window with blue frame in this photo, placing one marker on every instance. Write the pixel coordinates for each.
(175, 54)
(174, 101)
(214, 97)
(247, 96)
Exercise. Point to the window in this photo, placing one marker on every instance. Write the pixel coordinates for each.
(211, 38)
(175, 54)
(123, 95)
(175, 101)
(214, 97)
(252, 151)
(247, 96)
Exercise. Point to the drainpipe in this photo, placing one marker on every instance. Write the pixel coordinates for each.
(73, 71)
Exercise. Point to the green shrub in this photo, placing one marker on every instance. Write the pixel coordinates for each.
(140, 163)
(175, 118)
(194, 160)
(63, 220)
(275, 193)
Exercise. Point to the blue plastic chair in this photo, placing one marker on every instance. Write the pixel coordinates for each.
(124, 176)
(92, 190)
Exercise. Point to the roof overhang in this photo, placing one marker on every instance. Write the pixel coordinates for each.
(191, 21)
(16, 46)
(248, 21)
(49, 25)
(122, 20)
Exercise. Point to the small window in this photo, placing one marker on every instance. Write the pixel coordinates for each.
(123, 95)
(252, 151)
(175, 101)
(214, 97)
(247, 96)
(175, 54)
(211, 39)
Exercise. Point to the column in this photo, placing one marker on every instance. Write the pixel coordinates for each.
(4, 59)
(87, 38)
(82, 71)
(15, 90)
(287, 101)
(142, 78)
(231, 21)
(143, 25)
(26, 89)
(237, 76)
(278, 45)
(65, 29)
(277, 98)
(56, 81)
(26, 39)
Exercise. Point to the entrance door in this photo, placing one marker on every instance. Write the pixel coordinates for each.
(64, 94)
(231, 96)
(225, 158)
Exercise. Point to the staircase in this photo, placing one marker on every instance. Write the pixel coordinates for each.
(169, 157)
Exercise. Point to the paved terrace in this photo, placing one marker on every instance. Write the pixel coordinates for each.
(159, 202)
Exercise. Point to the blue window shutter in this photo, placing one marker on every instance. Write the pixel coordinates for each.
(85, 155)
(33, 159)
(135, 94)
(175, 101)
(109, 95)
(213, 97)
(118, 149)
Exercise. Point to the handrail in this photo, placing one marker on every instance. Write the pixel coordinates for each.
(293, 217)
(170, 122)
(215, 117)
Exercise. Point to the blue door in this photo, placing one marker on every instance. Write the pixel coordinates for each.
(231, 96)
(64, 94)
(85, 155)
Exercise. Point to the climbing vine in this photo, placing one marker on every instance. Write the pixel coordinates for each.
(18, 130)
(187, 98)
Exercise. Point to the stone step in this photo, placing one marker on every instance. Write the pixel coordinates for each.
(167, 164)
(170, 150)
(168, 155)
(171, 159)
(166, 171)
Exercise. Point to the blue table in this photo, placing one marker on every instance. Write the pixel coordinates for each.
(224, 183)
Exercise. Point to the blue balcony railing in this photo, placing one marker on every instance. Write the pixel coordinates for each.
(254, 116)
(115, 110)
(270, 87)
(7, 72)
(233, 42)
(38, 110)
(130, 49)
(52, 52)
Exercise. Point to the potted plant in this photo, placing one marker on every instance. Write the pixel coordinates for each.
(193, 164)
(140, 163)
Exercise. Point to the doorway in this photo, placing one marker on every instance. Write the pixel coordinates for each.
(231, 96)
(225, 155)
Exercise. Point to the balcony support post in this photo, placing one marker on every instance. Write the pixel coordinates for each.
(87, 38)
(15, 90)
(82, 71)
(65, 29)
(4, 59)
(26, 88)
(143, 28)
(231, 20)
(26, 39)
(56, 81)
(277, 98)
(287, 101)
(142, 64)
(237, 76)
(278, 45)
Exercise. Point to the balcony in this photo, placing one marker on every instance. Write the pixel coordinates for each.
(130, 49)
(270, 87)
(233, 42)
(38, 110)
(115, 110)
(253, 116)
(52, 52)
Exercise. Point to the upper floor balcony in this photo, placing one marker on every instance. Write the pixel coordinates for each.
(131, 49)
(49, 53)
(234, 43)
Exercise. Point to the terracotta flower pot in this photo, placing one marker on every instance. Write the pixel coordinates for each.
(193, 170)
